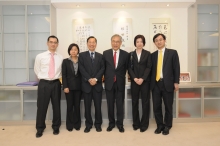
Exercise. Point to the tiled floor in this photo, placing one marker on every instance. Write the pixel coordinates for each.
(182, 134)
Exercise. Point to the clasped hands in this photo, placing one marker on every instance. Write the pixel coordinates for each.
(92, 81)
(138, 81)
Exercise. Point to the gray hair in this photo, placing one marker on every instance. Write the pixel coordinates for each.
(116, 35)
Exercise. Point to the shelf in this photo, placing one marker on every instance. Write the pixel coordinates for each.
(30, 100)
(14, 50)
(10, 101)
(14, 33)
(193, 98)
(209, 13)
(207, 49)
(207, 66)
(13, 15)
(207, 98)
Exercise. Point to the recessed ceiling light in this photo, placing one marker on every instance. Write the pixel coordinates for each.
(77, 6)
(123, 5)
(203, 23)
(31, 13)
(168, 5)
(210, 13)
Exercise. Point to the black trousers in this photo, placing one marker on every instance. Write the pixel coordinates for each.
(73, 117)
(48, 90)
(97, 99)
(158, 93)
(144, 89)
(115, 95)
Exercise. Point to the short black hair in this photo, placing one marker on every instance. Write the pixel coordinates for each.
(71, 46)
(139, 37)
(52, 36)
(91, 38)
(164, 37)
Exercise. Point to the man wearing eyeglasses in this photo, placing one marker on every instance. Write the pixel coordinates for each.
(116, 62)
(164, 81)
(48, 70)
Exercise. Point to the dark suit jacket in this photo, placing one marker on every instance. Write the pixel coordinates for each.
(171, 69)
(69, 79)
(142, 68)
(110, 70)
(91, 70)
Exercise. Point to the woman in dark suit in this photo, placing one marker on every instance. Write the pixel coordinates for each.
(71, 79)
(139, 71)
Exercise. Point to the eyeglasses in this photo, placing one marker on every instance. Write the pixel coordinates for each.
(53, 42)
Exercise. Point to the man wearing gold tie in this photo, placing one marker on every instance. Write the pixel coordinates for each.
(165, 75)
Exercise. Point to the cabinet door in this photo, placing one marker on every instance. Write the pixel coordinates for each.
(14, 44)
(189, 100)
(212, 102)
(10, 105)
(207, 43)
(38, 18)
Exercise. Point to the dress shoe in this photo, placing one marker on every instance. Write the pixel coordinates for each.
(98, 129)
(69, 129)
(77, 129)
(158, 130)
(166, 131)
(121, 129)
(110, 128)
(87, 130)
(135, 128)
(143, 129)
(39, 134)
(56, 132)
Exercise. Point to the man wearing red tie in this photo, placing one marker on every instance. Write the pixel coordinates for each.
(116, 62)
(48, 70)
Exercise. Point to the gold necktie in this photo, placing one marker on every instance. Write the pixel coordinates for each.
(159, 65)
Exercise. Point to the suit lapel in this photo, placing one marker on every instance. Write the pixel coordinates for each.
(95, 61)
(71, 66)
(166, 54)
(143, 53)
(135, 55)
(111, 58)
(89, 59)
(119, 59)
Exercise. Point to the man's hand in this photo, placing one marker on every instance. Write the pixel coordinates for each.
(176, 87)
(66, 90)
(92, 81)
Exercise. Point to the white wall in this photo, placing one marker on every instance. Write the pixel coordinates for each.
(140, 22)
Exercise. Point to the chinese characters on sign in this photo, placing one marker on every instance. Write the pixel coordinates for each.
(124, 30)
(159, 25)
(160, 28)
(81, 31)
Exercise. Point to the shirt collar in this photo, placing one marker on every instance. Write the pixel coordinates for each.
(116, 51)
(162, 49)
(50, 52)
(72, 60)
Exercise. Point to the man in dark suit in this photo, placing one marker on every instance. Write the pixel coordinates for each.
(116, 62)
(164, 81)
(91, 66)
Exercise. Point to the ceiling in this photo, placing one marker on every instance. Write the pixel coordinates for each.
(82, 5)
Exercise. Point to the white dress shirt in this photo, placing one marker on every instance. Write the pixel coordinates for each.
(163, 50)
(41, 66)
(117, 56)
(138, 56)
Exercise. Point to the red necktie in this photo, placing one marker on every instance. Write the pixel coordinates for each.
(115, 64)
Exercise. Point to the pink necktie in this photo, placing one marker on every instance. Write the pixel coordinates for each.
(51, 72)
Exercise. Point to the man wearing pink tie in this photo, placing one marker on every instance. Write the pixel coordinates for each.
(48, 70)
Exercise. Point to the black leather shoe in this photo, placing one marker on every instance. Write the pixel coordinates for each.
(143, 129)
(166, 131)
(158, 130)
(70, 129)
(87, 130)
(56, 132)
(110, 128)
(121, 129)
(39, 134)
(77, 129)
(135, 128)
(98, 129)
